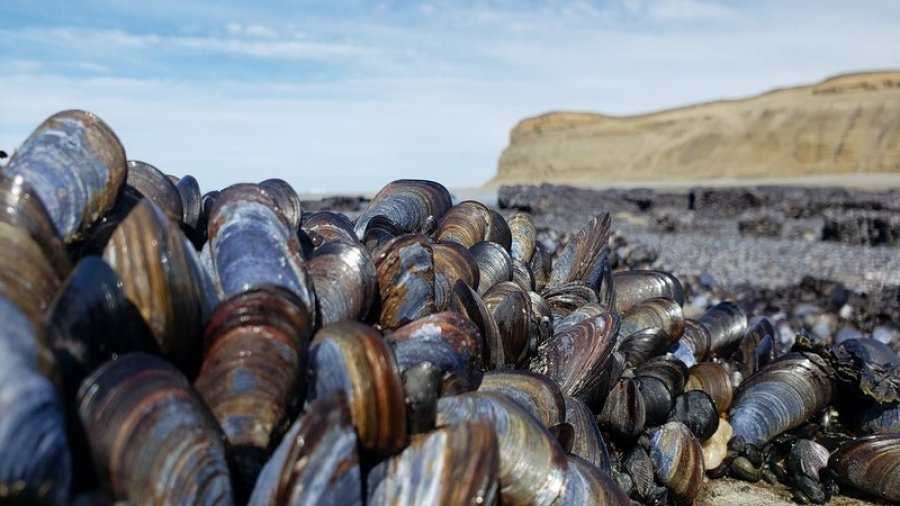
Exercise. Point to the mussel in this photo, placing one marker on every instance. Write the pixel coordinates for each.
(870, 464)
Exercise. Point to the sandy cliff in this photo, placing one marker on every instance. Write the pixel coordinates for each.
(848, 124)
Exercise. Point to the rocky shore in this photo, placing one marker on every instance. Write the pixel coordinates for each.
(825, 261)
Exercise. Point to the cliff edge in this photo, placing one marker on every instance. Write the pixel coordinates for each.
(847, 124)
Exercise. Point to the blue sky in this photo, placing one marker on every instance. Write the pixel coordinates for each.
(342, 96)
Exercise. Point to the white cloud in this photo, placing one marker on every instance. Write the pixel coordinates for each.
(688, 10)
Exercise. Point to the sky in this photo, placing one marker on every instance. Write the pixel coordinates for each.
(345, 96)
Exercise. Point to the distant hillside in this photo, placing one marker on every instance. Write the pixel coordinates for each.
(843, 125)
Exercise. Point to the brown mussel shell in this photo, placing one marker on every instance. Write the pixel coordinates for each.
(589, 486)
(524, 237)
(587, 440)
(623, 412)
(494, 265)
(355, 359)
(532, 465)
(455, 464)
(714, 379)
(633, 287)
(465, 223)
(152, 438)
(678, 460)
(345, 280)
(324, 227)
(253, 376)
(585, 259)
(534, 392)
(21, 207)
(316, 462)
(870, 464)
(405, 272)
(412, 205)
(448, 340)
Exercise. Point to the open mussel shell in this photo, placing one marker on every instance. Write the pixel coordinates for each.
(253, 376)
(448, 340)
(144, 181)
(623, 412)
(91, 320)
(870, 464)
(21, 207)
(455, 464)
(251, 243)
(466, 224)
(494, 264)
(413, 205)
(405, 271)
(452, 263)
(781, 396)
(345, 280)
(678, 460)
(464, 300)
(533, 466)
(26, 275)
(714, 379)
(576, 357)
(35, 461)
(285, 198)
(584, 258)
(633, 287)
(510, 308)
(76, 166)
(162, 276)
(693, 347)
(757, 346)
(534, 392)
(355, 359)
(324, 227)
(726, 323)
(588, 485)
(587, 440)
(153, 439)
(524, 237)
(316, 461)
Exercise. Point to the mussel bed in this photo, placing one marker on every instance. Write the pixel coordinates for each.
(242, 346)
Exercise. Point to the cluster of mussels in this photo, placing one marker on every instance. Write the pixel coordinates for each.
(160, 346)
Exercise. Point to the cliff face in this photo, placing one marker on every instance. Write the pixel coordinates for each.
(847, 124)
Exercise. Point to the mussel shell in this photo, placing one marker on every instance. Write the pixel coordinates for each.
(191, 201)
(21, 207)
(532, 465)
(146, 181)
(466, 301)
(579, 315)
(524, 237)
(455, 464)
(316, 462)
(405, 271)
(757, 346)
(413, 205)
(658, 399)
(287, 200)
(726, 323)
(693, 347)
(566, 299)
(448, 340)
(534, 392)
(76, 166)
(355, 359)
(26, 275)
(161, 275)
(781, 396)
(714, 379)
(510, 308)
(253, 376)
(807, 458)
(35, 461)
(345, 280)
(880, 419)
(466, 224)
(670, 370)
(588, 485)
(452, 262)
(662, 313)
(521, 275)
(587, 440)
(696, 410)
(678, 460)
(584, 258)
(166, 447)
(498, 230)
(494, 264)
(870, 464)
(623, 412)
(324, 227)
(251, 244)
(540, 266)
(91, 320)
(576, 357)
(633, 287)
